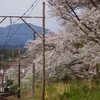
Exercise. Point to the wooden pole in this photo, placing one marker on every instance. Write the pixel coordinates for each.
(18, 94)
(2, 75)
(33, 80)
(43, 52)
(33, 73)
(19, 67)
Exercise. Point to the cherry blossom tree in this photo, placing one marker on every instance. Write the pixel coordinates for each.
(74, 51)
(83, 13)
(68, 52)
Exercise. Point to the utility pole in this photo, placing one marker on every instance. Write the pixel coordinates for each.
(2, 74)
(18, 94)
(2, 57)
(33, 73)
(43, 52)
(43, 49)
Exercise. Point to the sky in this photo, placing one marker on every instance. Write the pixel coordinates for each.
(19, 7)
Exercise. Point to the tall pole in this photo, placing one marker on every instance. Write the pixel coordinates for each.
(18, 94)
(33, 73)
(19, 67)
(43, 52)
(2, 74)
(33, 80)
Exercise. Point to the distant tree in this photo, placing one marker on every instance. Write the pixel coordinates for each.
(7, 52)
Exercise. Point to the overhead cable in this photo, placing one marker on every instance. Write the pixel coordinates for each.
(37, 1)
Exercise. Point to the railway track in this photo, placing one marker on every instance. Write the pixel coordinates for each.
(2, 98)
(4, 95)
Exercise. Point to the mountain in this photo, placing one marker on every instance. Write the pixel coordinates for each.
(18, 34)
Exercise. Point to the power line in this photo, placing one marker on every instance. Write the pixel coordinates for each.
(26, 11)
(33, 7)
(25, 33)
(24, 19)
(8, 32)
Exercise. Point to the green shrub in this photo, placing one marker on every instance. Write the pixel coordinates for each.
(68, 94)
(14, 87)
(50, 88)
(97, 81)
(85, 89)
(9, 82)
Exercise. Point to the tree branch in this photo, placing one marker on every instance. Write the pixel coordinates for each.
(73, 62)
(93, 3)
(72, 10)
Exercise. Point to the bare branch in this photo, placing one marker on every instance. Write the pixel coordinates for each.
(93, 3)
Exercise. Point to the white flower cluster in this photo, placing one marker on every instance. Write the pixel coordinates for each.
(70, 51)
(74, 51)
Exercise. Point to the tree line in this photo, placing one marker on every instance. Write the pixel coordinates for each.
(7, 53)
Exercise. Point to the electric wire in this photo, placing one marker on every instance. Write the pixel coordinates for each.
(8, 32)
(24, 19)
(26, 11)
(33, 8)
(6, 42)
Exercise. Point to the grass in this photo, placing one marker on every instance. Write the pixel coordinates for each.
(73, 90)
